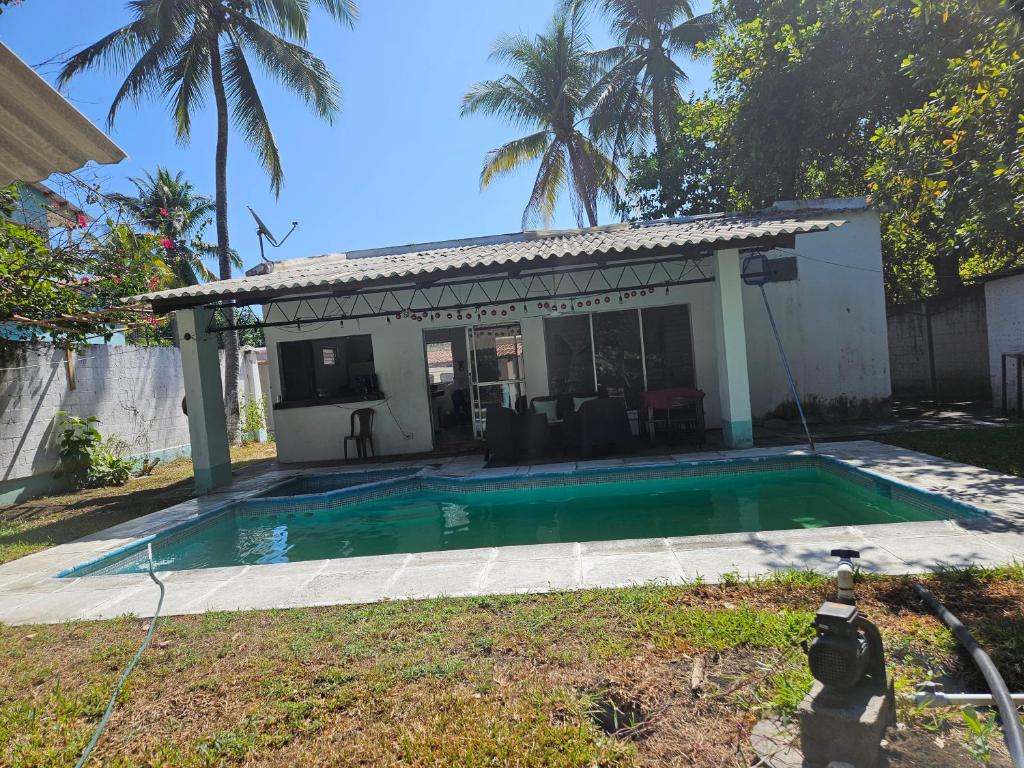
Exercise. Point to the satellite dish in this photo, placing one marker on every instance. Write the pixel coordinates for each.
(262, 230)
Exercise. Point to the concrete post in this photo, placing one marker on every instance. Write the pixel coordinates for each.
(207, 427)
(733, 380)
(252, 389)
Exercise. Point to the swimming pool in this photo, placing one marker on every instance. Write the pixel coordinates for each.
(404, 513)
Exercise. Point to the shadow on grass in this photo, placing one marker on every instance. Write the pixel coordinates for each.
(994, 617)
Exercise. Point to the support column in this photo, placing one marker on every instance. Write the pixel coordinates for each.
(207, 427)
(731, 336)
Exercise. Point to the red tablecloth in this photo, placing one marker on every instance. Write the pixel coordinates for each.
(669, 398)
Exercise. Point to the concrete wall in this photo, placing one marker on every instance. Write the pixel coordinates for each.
(959, 331)
(832, 321)
(1004, 300)
(135, 391)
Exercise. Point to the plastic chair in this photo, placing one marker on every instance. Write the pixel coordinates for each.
(361, 432)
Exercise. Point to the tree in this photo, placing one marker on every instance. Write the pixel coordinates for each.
(553, 90)
(69, 286)
(182, 49)
(640, 90)
(952, 168)
(169, 206)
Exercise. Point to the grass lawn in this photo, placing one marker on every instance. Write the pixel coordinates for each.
(603, 677)
(997, 448)
(52, 520)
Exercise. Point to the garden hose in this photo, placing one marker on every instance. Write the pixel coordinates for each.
(127, 670)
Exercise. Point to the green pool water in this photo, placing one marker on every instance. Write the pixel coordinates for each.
(432, 520)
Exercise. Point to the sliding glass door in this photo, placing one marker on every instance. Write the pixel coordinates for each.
(498, 376)
(625, 352)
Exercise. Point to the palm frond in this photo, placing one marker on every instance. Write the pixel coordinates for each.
(291, 65)
(115, 51)
(186, 78)
(507, 97)
(699, 29)
(248, 113)
(550, 179)
(512, 155)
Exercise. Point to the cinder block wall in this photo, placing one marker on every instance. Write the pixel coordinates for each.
(135, 391)
(959, 338)
(1004, 299)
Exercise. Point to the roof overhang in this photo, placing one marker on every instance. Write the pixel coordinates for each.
(40, 131)
(240, 296)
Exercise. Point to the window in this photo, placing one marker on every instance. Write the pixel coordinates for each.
(668, 347)
(569, 354)
(327, 370)
(617, 354)
(626, 351)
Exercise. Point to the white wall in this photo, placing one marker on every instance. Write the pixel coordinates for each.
(1004, 302)
(832, 321)
(135, 391)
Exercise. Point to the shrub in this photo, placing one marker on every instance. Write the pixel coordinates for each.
(87, 459)
(253, 420)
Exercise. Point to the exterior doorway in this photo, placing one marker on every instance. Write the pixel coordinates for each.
(448, 387)
(498, 374)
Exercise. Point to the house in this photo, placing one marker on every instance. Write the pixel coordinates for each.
(628, 307)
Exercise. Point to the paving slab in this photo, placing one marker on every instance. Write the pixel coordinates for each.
(931, 553)
(541, 575)
(713, 564)
(436, 580)
(631, 570)
(342, 588)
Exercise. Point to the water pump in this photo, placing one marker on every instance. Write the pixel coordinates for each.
(847, 648)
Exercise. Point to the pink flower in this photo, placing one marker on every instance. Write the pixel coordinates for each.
(82, 221)
(153, 282)
(167, 243)
(163, 212)
(153, 320)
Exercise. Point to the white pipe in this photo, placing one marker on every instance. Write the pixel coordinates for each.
(940, 699)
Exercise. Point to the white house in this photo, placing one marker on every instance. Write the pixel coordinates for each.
(626, 307)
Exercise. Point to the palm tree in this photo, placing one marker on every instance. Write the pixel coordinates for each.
(182, 49)
(552, 90)
(640, 87)
(169, 206)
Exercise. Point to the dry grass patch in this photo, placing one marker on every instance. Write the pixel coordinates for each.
(603, 677)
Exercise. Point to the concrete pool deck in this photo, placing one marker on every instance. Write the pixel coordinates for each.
(30, 593)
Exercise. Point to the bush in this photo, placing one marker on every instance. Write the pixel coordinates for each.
(253, 420)
(87, 459)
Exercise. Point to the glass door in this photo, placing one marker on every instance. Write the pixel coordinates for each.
(498, 376)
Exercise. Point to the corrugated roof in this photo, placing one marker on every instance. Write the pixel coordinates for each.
(40, 132)
(403, 264)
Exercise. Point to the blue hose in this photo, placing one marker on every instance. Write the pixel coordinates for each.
(127, 670)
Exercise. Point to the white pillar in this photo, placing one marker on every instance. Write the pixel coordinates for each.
(733, 380)
(207, 427)
(252, 390)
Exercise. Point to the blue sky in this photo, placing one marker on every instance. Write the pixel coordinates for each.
(397, 166)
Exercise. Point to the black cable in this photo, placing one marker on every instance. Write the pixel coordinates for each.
(1013, 732)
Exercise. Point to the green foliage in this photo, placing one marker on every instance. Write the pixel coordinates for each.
(953, 166)
(168, 206)
(554, 89)
(77, 440)
(253, 420)
(979, 735)
(69, 287)
(919, 103)
(169, 51)
(87, 459)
